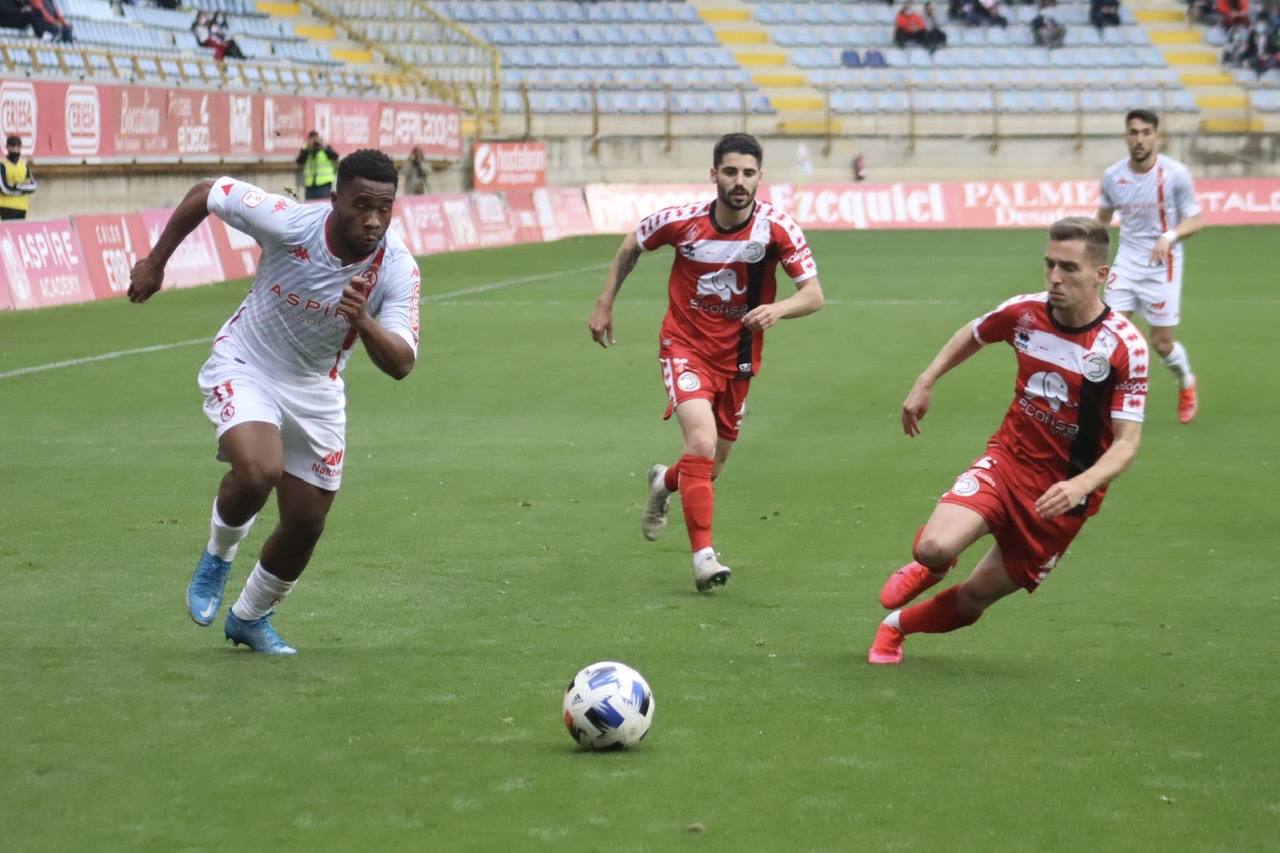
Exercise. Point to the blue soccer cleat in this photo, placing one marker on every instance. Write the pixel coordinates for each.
(204, 593)
(257, 635)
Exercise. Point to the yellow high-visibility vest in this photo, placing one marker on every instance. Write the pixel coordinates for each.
(318, 170)
(15, 174)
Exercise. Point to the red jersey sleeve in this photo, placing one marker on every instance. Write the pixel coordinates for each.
(793, 249)
(661, 228)
(998, 324)
(1130, 362)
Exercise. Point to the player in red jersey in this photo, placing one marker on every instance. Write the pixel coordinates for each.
(1074, 426)
(721, 300)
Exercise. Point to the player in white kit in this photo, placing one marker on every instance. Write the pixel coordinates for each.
(329, 274)
(1158, 210)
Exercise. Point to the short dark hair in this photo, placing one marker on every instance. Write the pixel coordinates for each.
(370, 164)
(737, 143)
(13, 140)
(1091, 232)
(1143, 115)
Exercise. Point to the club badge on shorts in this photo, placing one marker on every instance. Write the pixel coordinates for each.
(688, 382)
(966, 485)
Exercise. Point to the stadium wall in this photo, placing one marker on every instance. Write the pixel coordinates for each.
(88, 256)
(66, 190)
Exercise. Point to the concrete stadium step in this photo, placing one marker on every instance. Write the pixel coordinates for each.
(309, 27)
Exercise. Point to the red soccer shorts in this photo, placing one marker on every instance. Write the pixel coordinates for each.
(1005, 496)
(686, 377)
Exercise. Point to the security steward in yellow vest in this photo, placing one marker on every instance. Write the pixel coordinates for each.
(319, 164)
(16, 181)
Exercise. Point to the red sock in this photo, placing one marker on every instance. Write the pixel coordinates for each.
(671, 482)
(697, 498)
(938, 615)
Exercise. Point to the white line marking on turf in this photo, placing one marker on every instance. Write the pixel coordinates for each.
(438, 297)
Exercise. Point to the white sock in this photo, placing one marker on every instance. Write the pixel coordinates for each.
(1178, 362)
(224, 539)
(702, 554)
(262, 591)
(892, 620)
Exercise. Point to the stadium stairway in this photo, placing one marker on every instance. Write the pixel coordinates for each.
(1224, 104)
(801, 108)
(312, 28)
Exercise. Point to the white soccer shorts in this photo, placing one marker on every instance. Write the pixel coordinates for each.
(1150, 291)
(312, 418)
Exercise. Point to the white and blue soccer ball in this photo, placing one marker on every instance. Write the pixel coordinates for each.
(608, 706)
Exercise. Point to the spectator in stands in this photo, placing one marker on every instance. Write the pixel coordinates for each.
(937, 37)
(1202, 12)
(1263, 52)
(1271, 14)
(989, 13)
(1045, 28)
(46, 18)
(909, 26)
(415, 173)
(1233, 12)
(1104, 13)
(15, 14)
(1236, 46)
(16, 181)
(319, 164)
(221, 32)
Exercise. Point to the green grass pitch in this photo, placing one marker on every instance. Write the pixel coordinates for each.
(486, 545)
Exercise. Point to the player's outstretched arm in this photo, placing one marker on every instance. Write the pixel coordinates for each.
(961, 345)
(1066, 495)
(807, 299)
(148, 273)
(601, 320)
(1105, 215)
(387, 350)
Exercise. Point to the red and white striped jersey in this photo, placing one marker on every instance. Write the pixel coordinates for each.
(1071, 384)
(1149, 204)
(288, 323)
(718, 276)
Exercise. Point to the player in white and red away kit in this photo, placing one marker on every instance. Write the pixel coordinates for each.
(1158, 210)
(721, 300)
(273, 385)
(1073, 426)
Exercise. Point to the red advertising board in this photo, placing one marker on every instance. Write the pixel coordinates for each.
(508, 165)
(110, 244)
(74, 122)
(458, 216)
(238, 251)
(492, 222)
(345, 124)
(196, 261)
(562, 212)
(617, 208)
(434, 128)
(425, 229)
(41, 264)
(524, 216)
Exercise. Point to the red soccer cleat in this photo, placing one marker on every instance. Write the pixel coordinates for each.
(905, 584)
(886, 648)
(1187, 405)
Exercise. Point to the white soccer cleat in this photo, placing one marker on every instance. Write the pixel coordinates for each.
(708, 572)
(654, 520)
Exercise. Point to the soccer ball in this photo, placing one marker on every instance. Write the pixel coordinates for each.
(608, 706)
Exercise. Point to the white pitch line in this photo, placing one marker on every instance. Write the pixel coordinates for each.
(453, 294)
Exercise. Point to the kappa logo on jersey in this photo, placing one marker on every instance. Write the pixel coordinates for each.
(280, 205)
(1049, 386)
(1097, 367)
(301, 253)
(722, 283)
(253, 198)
